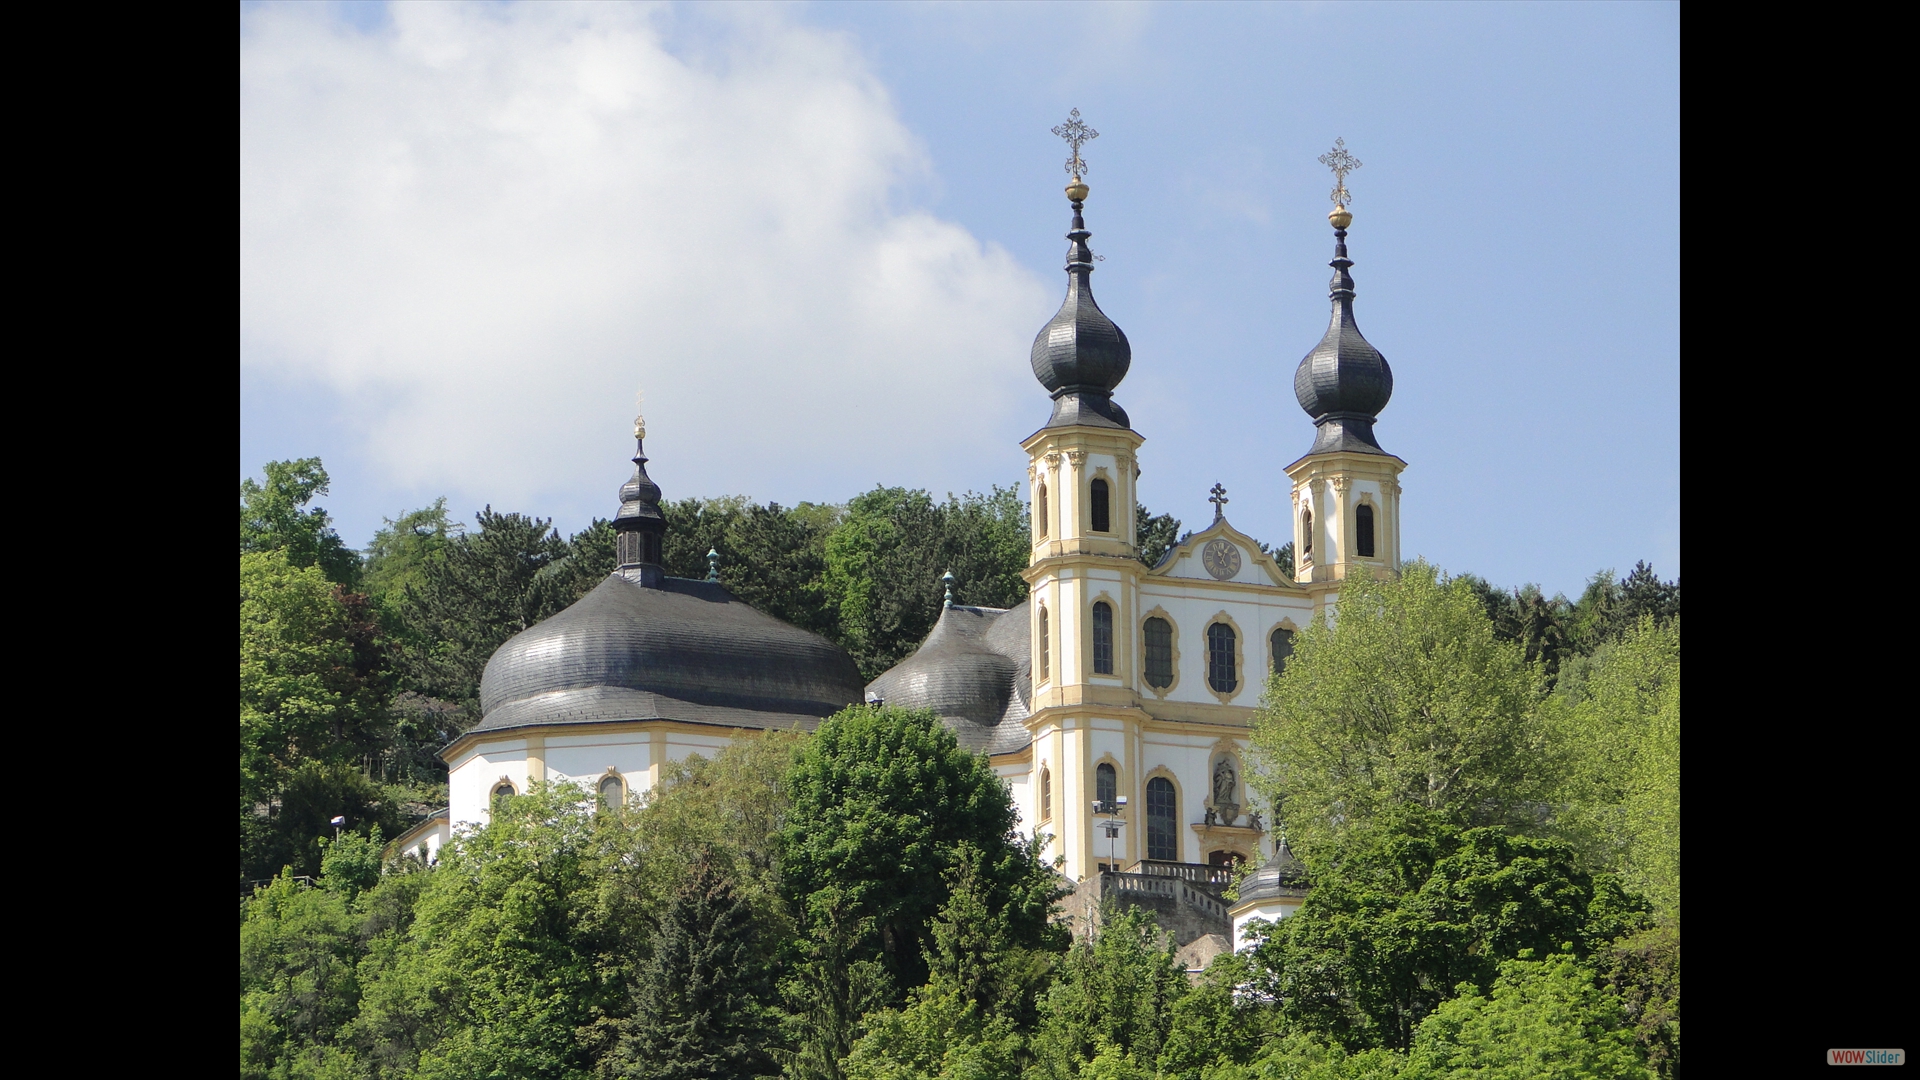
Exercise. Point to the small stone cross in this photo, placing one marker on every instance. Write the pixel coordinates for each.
(1218, 497)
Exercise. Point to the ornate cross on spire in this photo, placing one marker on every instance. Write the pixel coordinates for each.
(1218, 497)
(1341, 163)
(639, 420)
(1077, 135)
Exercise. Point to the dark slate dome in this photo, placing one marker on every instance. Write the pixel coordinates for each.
(1080, 355)
(975, 671)
(685, 650)
(1344, 382)
(1283, 875)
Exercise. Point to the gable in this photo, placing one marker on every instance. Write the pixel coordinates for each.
(1234, 551)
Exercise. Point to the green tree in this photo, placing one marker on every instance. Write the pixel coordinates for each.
(884, 801)
(1643, 970)
(312, 712)
(298, 983)
(1407, 698)
(512, 952)
(969, 1019)
(486, 586)
(1111, 1009)
(1618, 719)
(272, 518)
(1410, 908)
(886, 558)
(403, 547)
(698, 1010)
(1213, 1027)
(1546, 1020)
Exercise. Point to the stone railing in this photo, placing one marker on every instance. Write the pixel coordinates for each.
(1206, 876)
(1174, 888)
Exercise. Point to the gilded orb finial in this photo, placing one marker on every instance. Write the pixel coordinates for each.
(1077, 134)
(639, 420)
(1341, 163)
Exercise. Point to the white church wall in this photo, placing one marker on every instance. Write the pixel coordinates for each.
(471, 779)
(584, 759)
(1254, 617)
(1271, 912)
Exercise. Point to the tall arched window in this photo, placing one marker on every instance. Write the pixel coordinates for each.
(1046, 665)
(1306, 534)
(1282, 648)
(501, 793)
(1102, 639)
(1102, 517)
(1106, 786)
(1046, 793)
(613, 794)
(1363, 530)
(1040, 508)
(1163, 820)
(1220, 673)
(1159, 640)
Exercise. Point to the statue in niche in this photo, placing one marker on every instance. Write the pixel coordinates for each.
(1226, 788)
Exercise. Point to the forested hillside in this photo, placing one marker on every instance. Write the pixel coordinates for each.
(1482, 782)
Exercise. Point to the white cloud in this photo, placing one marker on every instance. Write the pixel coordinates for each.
(486, 227)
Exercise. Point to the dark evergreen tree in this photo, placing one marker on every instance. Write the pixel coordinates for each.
(698, 1009)
(487, 586)
(1156, 534)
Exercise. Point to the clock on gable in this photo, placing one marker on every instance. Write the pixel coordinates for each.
(1221, 558)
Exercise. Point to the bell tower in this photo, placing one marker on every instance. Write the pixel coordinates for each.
(1082, 573)
(1346, 490)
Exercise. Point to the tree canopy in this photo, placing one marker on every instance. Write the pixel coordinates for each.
(1405, 697)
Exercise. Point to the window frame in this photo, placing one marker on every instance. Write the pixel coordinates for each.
(1239, 656)
(1099, 501)
(1172, 785)
(1365, 529)
(1094, 622)
(1275, 665)
(1173, 646)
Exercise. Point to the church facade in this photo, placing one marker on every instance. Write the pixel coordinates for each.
(1115, 703)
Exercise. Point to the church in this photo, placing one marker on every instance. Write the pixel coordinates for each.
(1115, 702)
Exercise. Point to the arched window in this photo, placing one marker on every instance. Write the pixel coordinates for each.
(1159, 639)
(1040, 508)
(1363, 530)
(1282, 648)
(1046, 793)
(613, 794)
(1045, 659)
(1102, 639)
(1163, 818)
(502, 791)
(1102, 518)
(1220, 673)
(1306, 533)
(1106, 785)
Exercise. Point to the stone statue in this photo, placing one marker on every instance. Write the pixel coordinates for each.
(1208, 820)
(1226, 784)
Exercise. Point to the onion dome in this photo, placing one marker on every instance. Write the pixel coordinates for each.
(645, 646)
(1344, 382)
(678, 650)
(975, 672)
(1282, 876)
(640, 528)
(1080, 355)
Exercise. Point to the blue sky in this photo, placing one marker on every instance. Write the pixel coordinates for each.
(821, 237)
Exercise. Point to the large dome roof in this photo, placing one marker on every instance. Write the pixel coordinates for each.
(975, 671)
(687, 650)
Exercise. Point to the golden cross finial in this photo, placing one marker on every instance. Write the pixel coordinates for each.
(639, 421)
(1077, 134)
(1341, 163)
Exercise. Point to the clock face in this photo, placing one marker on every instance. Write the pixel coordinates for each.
(1221, 559)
